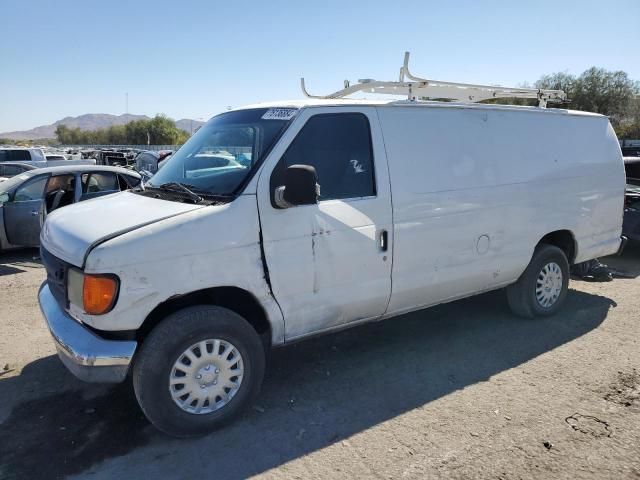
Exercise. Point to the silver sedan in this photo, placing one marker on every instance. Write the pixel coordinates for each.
(27, 198)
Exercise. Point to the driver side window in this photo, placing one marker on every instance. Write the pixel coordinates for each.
(32, 190)
(338, 146)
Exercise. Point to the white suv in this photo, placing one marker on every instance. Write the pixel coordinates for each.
(37, 157)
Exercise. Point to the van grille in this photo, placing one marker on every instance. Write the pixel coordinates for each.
(56, 276)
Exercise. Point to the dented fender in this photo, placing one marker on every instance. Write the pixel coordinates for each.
(201, 249)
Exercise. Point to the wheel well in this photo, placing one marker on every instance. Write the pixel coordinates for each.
(236, 299)
(564, 240)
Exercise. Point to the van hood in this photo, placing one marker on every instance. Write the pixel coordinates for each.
(69, 233)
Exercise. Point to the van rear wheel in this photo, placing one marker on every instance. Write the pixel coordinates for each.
(541, 289)
(197, 370)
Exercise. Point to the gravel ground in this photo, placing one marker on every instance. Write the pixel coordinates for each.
(464, 390)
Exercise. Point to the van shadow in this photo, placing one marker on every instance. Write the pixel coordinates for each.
(316, 393)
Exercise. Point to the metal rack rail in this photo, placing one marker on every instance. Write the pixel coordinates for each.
(417, 88)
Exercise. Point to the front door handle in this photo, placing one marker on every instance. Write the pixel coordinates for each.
(384, 241)
(35, 213)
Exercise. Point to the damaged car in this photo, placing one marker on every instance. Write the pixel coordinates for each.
(26, 199)
(631, 223)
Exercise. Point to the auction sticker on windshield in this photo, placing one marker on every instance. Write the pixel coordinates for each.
(279, 114)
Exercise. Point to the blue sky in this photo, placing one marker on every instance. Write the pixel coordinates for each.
(193, 58)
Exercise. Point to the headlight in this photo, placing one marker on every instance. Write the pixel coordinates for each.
(95, 294)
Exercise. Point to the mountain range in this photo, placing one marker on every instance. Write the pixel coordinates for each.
(91, 121)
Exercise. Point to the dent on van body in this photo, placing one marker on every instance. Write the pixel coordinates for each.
(326, 266)
(216, 246)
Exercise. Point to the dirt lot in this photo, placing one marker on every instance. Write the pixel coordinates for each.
(464, 390)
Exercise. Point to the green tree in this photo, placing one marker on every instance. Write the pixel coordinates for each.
(557, 81)
(136, 132)
(629, 127)
(597, 90)
(114, 135)
(62, 133)
(160, 130)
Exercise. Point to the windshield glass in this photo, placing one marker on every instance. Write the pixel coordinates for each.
(218, 158)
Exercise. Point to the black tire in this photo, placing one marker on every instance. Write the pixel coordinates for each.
(522, 294)
(165, 344)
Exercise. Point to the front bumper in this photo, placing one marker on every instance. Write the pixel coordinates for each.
(88, 356)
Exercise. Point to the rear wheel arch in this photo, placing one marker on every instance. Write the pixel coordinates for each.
(564, 240)
(236, 299)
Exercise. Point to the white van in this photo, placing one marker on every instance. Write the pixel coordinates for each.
(279, 221)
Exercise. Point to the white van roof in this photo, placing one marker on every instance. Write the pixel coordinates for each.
(342, 102)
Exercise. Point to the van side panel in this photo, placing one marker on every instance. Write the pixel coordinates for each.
(602, 208)
(475, 189)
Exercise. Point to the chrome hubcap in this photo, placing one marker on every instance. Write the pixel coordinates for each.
(206, 376)
(549, 284)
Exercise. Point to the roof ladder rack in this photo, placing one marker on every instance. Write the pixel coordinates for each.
(416, 88)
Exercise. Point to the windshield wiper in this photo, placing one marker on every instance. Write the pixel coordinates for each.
(222, 196)
(190, 190)
(173, 186)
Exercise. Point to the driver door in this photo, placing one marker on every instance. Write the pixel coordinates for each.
(329, 263)
(23, 216)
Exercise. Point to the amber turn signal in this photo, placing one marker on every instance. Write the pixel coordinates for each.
(99, 293)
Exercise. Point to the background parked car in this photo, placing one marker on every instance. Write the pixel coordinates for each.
(631, 151)
(26, 199)
(36, 157)
(631, 224)
(11, 169)
(55, 156)
(163, 162)
(117, 157)
(632, 169)
(149, 160)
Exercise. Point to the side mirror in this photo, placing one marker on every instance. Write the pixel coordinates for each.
(4, 198)
(300, 187)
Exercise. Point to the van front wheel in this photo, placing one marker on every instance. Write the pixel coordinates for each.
(197, 370)
(542, 287)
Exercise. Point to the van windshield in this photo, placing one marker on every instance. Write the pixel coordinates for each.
(220, 155)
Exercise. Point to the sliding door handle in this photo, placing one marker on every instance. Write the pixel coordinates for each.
(384, 241)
